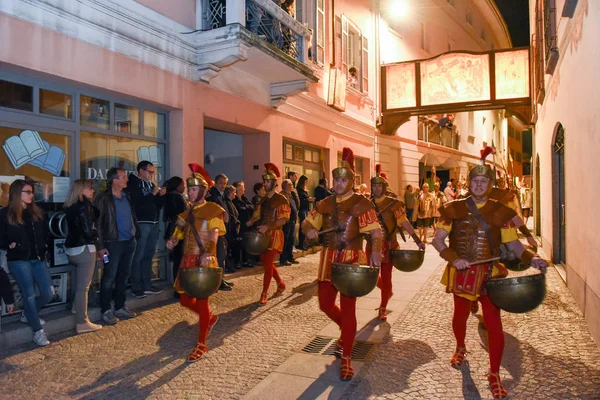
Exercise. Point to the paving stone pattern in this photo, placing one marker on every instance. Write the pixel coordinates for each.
(145, 357)
(549, 353)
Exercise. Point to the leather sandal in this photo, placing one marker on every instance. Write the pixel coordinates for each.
(498, 390)
(280, 290)
(382, 314)
(346, 372)
(197, 353)
(458, 357)
(264, 297)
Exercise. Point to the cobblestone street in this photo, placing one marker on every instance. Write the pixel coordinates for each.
(549, 352)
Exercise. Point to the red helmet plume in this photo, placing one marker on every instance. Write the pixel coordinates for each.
(348, 157)
(197, 169)
(272, 172)
(486, 151)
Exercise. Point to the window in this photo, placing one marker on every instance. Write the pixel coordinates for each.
(56, 104)
(39, 156)
(15, 95)
(354, 54)
(305, 160)
(469, 17)
(99, 152)
(127, 119)
(154, 124)
(319, 46)
(94, 112)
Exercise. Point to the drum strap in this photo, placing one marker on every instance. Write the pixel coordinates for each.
(484, 225)
(191, 221)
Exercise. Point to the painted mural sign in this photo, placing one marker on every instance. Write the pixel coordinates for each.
(465, 79)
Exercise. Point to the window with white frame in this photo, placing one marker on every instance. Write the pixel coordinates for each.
(319, 43)
(354, 54)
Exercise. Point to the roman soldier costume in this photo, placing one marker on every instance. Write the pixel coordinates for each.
(343, 218)
(199, 228)
(476, 227)
(391, 215)
(272, 212)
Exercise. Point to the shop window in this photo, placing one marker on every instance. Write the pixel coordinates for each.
(154, 124)
(100, 152)
(15, 95)
(56, 104)
(127, 119)
(94, 112)
(305, 160)
(38, 156)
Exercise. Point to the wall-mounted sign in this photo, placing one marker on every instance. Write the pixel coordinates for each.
(512, 74)
(457, 81)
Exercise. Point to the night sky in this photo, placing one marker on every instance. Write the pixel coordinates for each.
(516, 15)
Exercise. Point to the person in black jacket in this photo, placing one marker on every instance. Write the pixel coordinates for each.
(24, 234)
(245, 210)
(321, 191)
(305, 200)
(81, 244)
(216, 195)
(233, 225)
(287, 256)
(117, 230)
(147, 200)
(175, 204)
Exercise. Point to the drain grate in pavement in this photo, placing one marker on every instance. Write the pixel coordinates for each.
(325, 346)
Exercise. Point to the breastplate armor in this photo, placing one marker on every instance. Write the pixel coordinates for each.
(388, 216)
(190, 245)
(268, 208)
(342, 218)
(469, 240)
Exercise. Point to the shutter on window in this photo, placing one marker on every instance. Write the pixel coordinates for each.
(320, 32)
(365, 64)
(338, 42)
(344, 46)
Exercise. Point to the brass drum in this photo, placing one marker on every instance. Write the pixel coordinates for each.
(200, 282)
(354, 280)
(255, 243)
(407, 260)
(519, 294)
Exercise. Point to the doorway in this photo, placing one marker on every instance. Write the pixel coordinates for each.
(223, 154)
(559, 254)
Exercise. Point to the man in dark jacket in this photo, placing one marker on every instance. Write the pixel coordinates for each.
(216, 195)
(117, 229)
(147, 200)
(321, 191)
(289, 229)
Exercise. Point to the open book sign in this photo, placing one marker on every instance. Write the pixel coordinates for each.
(29, 148)
(150, 153)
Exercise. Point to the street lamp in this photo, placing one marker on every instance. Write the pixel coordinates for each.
(398, 8)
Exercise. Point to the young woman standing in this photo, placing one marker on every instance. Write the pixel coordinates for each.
(23, 234)
(81, 245)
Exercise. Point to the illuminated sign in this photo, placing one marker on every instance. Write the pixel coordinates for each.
(462, 80)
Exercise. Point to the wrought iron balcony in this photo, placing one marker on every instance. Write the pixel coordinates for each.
(431, 133)
(261, 32)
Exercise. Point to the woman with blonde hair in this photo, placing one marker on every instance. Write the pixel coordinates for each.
(80, 245)
(23, 234)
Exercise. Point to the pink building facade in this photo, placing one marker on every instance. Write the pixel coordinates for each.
(566, 144)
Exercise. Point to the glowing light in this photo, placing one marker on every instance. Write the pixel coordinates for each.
(399, 8)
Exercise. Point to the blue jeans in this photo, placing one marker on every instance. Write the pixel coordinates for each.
(116, 272)
(27, 274)
(141, 269)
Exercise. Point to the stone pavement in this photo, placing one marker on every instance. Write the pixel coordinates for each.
(256, 352)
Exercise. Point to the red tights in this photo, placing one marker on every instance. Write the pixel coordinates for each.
(493, 325)
(385, 283)
(201, 307)
(345, 316)
(268, 261)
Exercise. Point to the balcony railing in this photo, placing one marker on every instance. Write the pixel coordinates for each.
(264, 19)
(447, 137)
